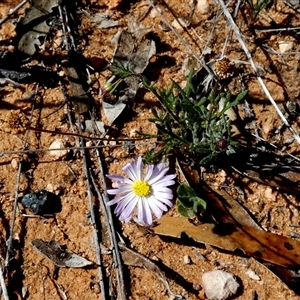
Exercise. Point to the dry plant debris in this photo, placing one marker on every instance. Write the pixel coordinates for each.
(91, 75)
(59, 256)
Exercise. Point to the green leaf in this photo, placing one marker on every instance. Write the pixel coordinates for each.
(154, 113)
(188, 203)
(241, 96)
(185, 191)
(199, 205)
(184, 211)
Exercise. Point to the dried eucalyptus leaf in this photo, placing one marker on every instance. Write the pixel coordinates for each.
(124, 49)
(140, 58)
(76, 261)
(94, 126)
(34, 25)
(132, 57)
(113, 111)
(254, 242)
(59, 256)
(104, 21)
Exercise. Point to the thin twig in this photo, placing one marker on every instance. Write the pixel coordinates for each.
(247, 52)
(12, 11)
(103, 198)
(63, 28)
(276, 29)
(12, 225)
(67, 26)
(94, 224)
(229, 36)
(85, 137)
(3, 285)
(75, 148)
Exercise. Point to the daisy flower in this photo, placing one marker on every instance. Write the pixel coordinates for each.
(142, 193)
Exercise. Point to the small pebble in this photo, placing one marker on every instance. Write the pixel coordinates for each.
(203, 6)
(219, 285)
(89, 144)
(186, 259)
(58, 154)
(285, 46)
(252, 275)
(15, 163)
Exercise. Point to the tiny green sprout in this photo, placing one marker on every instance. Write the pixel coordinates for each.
(188, 203)
(257, 6)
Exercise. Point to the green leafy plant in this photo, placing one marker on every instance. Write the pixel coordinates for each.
(189, 124)
(188, 203)
(194, 126)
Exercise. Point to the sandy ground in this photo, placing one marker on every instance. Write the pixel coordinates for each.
(29, 275)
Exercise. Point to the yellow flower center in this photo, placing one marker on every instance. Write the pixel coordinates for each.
(141, 188)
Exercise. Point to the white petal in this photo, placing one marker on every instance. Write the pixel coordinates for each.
(113, 191)
(166, 202)
(155, 209)
(128, 210)
(130, 197)
(144, 212)
(149, 172)
(128, 181)
(139, 168)
(115, 177)
(161, 195)
(120, 190)
(157, 176)
(131, 170)
(162, 183)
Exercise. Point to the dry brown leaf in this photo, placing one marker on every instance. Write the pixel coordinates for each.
(257, 243)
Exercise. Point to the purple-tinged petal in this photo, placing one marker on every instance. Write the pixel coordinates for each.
(149, 173)
(113, 201)
(117, 199)
(162, 184)
(139, 168)
(155, 209)
(129, 209)
(113, 191)
(157, 176)
(166, 202)
(130, 197)
(164, 199)
(115, 177)
(160, 204)
(144, 212)
(130, 170)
